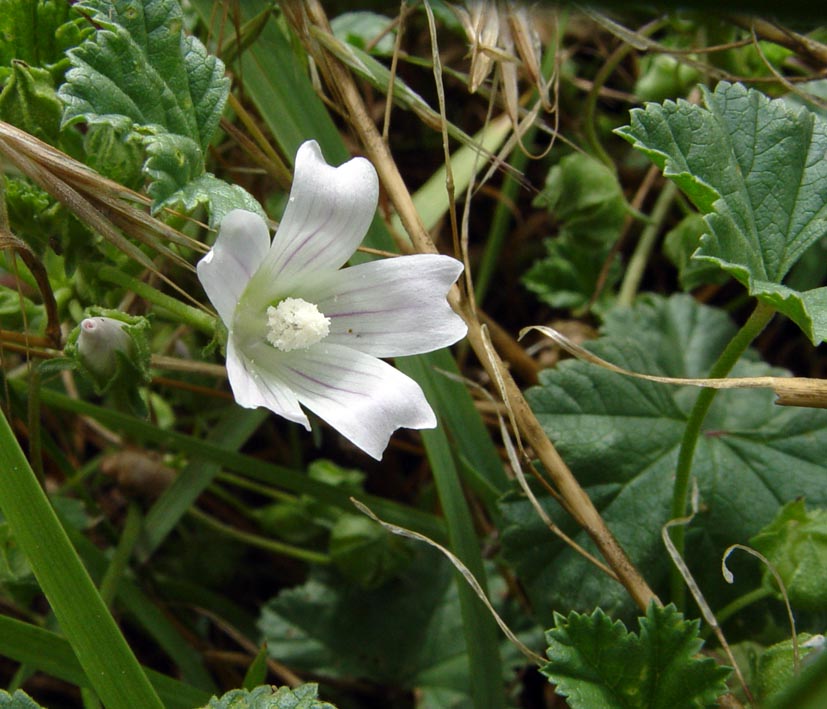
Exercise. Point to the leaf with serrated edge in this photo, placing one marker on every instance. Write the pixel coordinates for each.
(143, 76)
(140, 69)
(621, 437)
(18, 700)
(305, 696)
(596, 662)
(755, 168)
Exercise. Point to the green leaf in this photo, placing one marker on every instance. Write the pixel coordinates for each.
(361, 28)
(184, 196)
(316, 626)
(144, 77)
(795, 542)
(304, 696)
(29, 101)
(18, 700)
(750, 456)
(755, 168)
(585, 198)
(595, 662)
(365, 553)
(37, 32)
(776, 665)
(680, 244)
(140, 69)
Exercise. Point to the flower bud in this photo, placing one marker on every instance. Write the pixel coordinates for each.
(99, 342)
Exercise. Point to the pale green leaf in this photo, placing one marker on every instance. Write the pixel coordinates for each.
(795, 543)
(584, 197)
(206, 189)
(756, 169)
(37, 32)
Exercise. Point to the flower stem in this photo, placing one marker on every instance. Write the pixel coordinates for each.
(637, 264)
(732, 353)
(753, 596)
(186, 314)
(255, 540)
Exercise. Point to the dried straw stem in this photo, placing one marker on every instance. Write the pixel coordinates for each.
(578, 504)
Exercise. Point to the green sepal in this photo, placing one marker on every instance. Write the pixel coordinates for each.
(776, 665)
(130, 366)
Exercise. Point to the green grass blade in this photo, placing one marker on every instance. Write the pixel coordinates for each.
(234, 428)
(481, 632)
(112, 668)
(147, 615)
(51, 654)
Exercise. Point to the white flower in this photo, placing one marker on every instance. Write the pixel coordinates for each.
(303, 331)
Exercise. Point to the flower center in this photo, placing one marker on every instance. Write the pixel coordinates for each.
(295, 324)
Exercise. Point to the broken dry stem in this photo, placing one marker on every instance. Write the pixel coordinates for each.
(575, 499)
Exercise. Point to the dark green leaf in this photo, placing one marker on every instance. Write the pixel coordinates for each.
(596, 663)
(317, 625)
(751, 456)
(755, 168)
(680, 245)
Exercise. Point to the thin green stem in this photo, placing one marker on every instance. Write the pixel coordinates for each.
(255, 540)
(120, 561)
(590, 106)
(640, 257)
(729, 610)
(186, 314)
(732, 353)
(252, 485)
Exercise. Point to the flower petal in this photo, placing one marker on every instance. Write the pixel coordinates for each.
(242, 244)
(392, 307)
(254, 385)
(327, 216)
(362, 397)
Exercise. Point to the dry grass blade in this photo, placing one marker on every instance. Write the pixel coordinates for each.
(791, 391)
(102, 204)
(466, 573)
(706, 611)
(575, 500)
(730, 578)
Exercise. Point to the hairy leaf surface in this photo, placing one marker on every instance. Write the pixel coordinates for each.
(595, 662)
(621, 437)
(755, 168)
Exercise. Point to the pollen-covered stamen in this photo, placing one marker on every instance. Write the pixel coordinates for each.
(295, 324)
